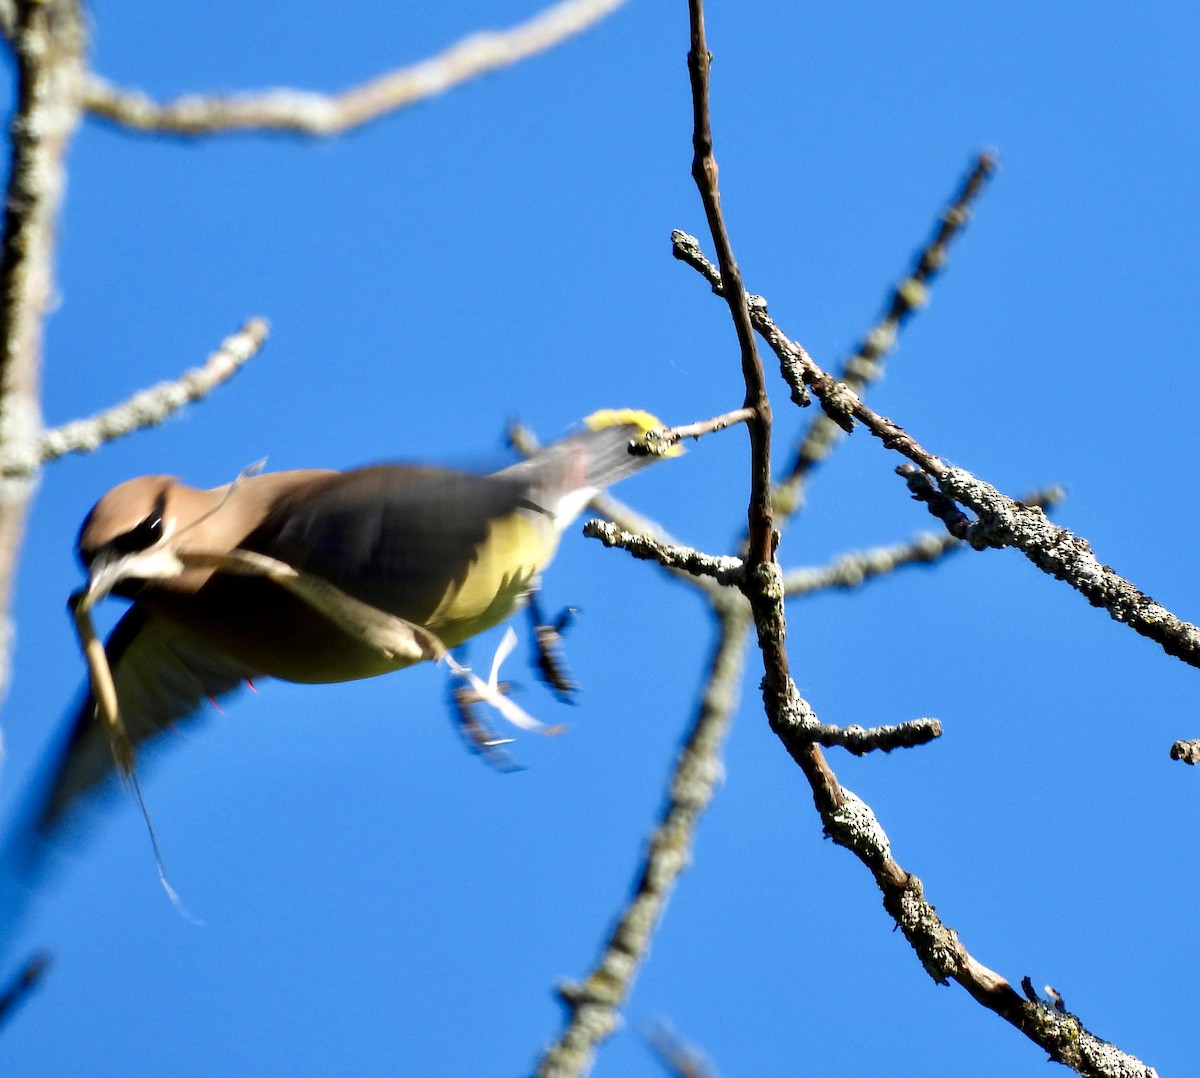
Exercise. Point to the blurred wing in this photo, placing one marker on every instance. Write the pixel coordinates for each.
(446, 549)
(405, 538)
(562, 477)
(162, 674)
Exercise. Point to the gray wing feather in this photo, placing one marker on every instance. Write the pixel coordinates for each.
(391, 535)
(162, 674)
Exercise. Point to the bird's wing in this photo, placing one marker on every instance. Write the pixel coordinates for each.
(162, 674)
(435, 546)
(404, 539)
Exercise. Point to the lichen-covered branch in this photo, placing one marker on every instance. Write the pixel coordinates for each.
(855, 569)
(592, 1004)
(1001, 520)
(1187, 751)
(858, 567)
(145, 408)
(48, 42)
(865, 364)
(721, 568)
(846, 819)
(859, 740)
(853, 825)
(299, 112)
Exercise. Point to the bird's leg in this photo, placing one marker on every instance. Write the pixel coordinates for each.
(491, 692)
(550, 659)
(476, 733)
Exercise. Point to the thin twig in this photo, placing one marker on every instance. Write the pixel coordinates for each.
(762, 582)
(300, 112)
(858, 741)
(704, 172)
(855, 569)
(659, 442)
(144, 409)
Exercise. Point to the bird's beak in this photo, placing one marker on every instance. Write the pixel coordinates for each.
(110, 569)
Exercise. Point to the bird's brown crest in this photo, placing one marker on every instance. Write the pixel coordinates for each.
(120, 512)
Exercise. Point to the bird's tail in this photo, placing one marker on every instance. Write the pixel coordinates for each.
(609, 434)
(34, 847)
(564, 476)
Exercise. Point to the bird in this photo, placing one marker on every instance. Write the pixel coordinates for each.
(447, 553)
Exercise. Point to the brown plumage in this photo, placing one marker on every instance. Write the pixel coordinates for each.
(451, 552)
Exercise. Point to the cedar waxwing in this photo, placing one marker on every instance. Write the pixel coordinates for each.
(448, 552)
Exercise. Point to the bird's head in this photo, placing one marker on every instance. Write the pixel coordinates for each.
(122, 536)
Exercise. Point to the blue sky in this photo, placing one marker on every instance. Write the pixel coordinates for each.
(376, 901)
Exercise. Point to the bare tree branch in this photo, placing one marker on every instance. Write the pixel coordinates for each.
(1187, 751)
(300, 112)
(853, 825)
(849, 821)
(592, 1004)
(859, 741)
(856, 568)
(659, 442)
(704, 172)
(48, 42)
(846, 819)
(1001, 520)
(762, 582)
(865, 365)
(143, 409)
(723, 569)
